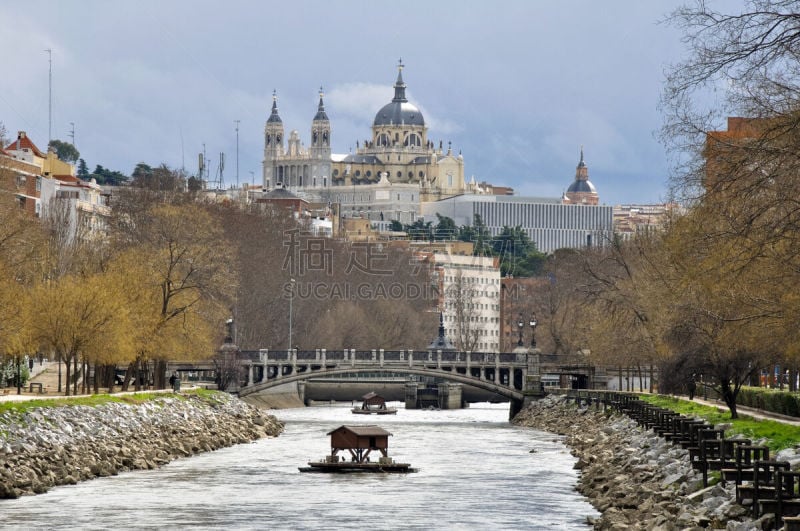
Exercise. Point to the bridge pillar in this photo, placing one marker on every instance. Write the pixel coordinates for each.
(515, 407)
(450, 396)
(250, 374)
(352, 357)
(263, 355)
(324, 356)
(301, 391)
(374, 355)
(411, 395)
(380, 352)
(438, 359)
(411, 358)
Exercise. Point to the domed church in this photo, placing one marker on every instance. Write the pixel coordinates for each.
(581, 191)
(398, 157)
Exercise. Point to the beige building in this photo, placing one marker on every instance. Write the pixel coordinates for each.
(387, 177)
(470, 300)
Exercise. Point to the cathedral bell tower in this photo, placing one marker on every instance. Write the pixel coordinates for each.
(320, 146)
(273, 145)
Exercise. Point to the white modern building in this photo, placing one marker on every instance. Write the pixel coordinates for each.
(549, 222)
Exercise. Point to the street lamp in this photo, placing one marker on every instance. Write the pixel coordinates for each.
(533, 324)
(291, 299)
(520, 324)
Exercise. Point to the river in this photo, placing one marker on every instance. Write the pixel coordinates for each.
(476, 471)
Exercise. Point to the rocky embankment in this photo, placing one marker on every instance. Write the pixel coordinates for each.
(45, 447)
(635, 478)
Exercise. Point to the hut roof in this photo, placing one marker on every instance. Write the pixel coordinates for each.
(365, 431)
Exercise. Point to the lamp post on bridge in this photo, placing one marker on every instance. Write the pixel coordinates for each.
(520, 324)
(533, 324)
(291, 299)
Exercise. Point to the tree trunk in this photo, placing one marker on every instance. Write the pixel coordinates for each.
(58, 358)
(159, 378)
(730, 398)
(66, 377)
(639, 372)
(130, 372)
(75, 374)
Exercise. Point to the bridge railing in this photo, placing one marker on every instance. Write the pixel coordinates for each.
(413, 357)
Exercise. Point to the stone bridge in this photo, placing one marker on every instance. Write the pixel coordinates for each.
(512, 375)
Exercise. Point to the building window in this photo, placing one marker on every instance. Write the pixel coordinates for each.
(411, 175)
(21, 180)
(369, 173)
(413, 140)
(399, 174)
(335, 173)
(38, 184)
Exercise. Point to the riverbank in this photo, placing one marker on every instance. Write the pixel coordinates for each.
(635, 478)
(48, 446)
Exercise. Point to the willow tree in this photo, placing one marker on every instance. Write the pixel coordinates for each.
(182, 287)
(16, 339)
(77, 316)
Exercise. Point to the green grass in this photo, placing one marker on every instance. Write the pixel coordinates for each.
(96, 400)
(778, 434)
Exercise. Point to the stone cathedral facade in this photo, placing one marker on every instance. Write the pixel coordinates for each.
(387, 177)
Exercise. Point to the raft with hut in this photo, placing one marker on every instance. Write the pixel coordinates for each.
(373, 404)
(357, 443)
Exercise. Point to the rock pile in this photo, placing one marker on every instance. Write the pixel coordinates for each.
(45, 447)
(635, 478)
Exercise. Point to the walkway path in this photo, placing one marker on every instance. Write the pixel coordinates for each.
(759, 414)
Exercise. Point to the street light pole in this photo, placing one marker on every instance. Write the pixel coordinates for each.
(533, 324)
(291, 299)
(519, 326)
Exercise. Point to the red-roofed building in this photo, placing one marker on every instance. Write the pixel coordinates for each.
(23, 144)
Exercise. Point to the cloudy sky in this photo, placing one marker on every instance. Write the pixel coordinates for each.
(517, 86)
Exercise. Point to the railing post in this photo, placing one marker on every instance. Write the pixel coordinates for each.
(324, 356)
(352, 357)
(381, 356)
(439, 359)
(410, 358)
(374, 355)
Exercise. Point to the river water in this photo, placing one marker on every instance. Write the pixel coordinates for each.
(476, 471)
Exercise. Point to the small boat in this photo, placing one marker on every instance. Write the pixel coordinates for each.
(373, 404)
(359, 442)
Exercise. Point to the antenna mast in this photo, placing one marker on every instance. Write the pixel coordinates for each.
(50, 97)
(221, 181)
(237, 152)
(72, 134)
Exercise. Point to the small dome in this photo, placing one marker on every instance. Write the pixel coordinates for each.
(581, 186)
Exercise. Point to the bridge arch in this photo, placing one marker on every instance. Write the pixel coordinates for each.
(452, 376)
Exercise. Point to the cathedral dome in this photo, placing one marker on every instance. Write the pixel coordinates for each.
(399, 111)
(396, 113)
